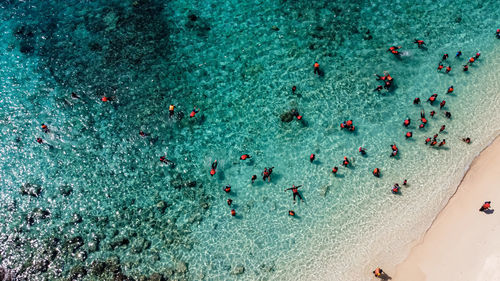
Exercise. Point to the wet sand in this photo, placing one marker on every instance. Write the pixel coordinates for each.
(462, 243)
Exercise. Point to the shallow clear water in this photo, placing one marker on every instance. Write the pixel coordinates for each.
(239, 71)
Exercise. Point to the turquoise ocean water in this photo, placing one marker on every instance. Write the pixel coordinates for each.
(93, 201)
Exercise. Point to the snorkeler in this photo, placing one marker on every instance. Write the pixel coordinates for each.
(477, 55)
(229, 201)
(440, 66)
(193, 113)
(427, 140)
(443, 142)
(294, 88)
(422, 117)
(432, 113)
(408, 135)
(450, 90)
(447, 114)
(227, 189)
(416, 101)
(466, 140)
(265, 174)
(295, 192)
(445, 56)
(466, 67)
(448, 69)
(379, 88)
(316, 68)
(420, 43)
(376, 172)
(244, 157)
(270, 171)
(442, 128)
(394, 50)
(163, 159)
(39, 140)
(214, 167)
(312, 157)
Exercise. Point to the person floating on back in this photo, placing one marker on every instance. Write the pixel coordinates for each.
(295, 192)
(316, 68)
(214, 167)
(486, 206)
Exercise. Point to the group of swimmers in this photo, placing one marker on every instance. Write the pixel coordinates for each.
(387, 79)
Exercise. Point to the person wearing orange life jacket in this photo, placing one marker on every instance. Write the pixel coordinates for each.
(450, 89)
(432, 99)
(244, 157)
(420, 43)
(471, 60)
(39, 140)
(378, 272)
(433, 143)
(440, 66)
(105, 99)
(45, 128)
(427, 140)
(193, 113)
(163, 159)
(486, 206)
(316, 68)
(404, 182)
(265, 174)
(442, 128)
(233, 212)
(443, 142)
(345, 162)
(171, 110)
(312, 157)
(295, 192)
(407, 122)
(291, 213)
(441, 104)
(448, 69)
(395, 188)
(432, 113)
(335, 170)
(477, 55)
(394, 150)
(227, 189)
(376, 172)
(408, 135)
(394, 50)
(214, 167)
(422, 117)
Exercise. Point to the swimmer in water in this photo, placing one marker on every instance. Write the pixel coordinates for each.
(295, 192)
(416, 101)
(466, 140)
(432, 113)
(312, 157)
(441, 104)
(376, 172)
(420, 43)
(244, 157)
(214, 167)
(335, 170)
(254, 177)
(193, 113)
(440, 67)
(362, 150)
(407, 122)
(442, 128)
(408, 135)
(345, 162)
(294, 88)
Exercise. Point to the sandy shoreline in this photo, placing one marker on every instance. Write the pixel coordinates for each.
(462, 243)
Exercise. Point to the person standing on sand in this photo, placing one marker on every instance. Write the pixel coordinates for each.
(378, 272)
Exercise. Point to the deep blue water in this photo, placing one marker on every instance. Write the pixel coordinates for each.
(102, 205)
